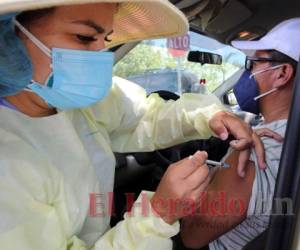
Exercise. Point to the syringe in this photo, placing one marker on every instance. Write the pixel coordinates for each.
(217, 163)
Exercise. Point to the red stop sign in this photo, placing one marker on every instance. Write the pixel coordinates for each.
(177, 46)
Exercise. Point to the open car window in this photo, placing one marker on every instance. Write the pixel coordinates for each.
(152, 65)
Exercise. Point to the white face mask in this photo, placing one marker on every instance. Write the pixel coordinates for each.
(261, 71)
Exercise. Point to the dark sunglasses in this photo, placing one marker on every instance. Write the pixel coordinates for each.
(251, 60)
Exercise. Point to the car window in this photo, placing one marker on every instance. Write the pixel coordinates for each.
(151, 65)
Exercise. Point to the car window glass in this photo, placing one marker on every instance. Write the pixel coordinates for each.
(153, 66)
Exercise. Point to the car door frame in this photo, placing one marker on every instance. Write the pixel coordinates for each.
(282, 228)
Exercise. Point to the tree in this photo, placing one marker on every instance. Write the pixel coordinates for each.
(142, 58)
(147, 57)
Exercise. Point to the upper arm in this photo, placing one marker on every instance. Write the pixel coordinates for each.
(225, 205)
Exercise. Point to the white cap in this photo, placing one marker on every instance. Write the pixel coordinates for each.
(285, 38)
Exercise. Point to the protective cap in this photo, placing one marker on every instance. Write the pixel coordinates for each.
(285, 38)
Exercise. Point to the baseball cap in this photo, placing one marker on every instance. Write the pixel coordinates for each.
(284, 37)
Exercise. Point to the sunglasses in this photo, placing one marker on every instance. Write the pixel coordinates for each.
(251, 60)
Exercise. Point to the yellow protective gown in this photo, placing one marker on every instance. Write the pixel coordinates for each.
(50, 165)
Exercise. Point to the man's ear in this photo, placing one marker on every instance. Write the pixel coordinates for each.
(283, 75)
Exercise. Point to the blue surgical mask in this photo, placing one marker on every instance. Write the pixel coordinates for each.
(79, 78)
(247, 92)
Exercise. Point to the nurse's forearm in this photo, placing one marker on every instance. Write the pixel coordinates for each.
(164, 124)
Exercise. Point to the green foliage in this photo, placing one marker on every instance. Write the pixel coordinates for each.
(142, 58)
(145, 57)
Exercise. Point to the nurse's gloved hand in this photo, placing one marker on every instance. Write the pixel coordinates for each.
(180, 188)
(224, 123)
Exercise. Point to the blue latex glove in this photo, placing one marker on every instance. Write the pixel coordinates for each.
(15, 65)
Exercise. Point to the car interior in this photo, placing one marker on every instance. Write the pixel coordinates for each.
(223, 21)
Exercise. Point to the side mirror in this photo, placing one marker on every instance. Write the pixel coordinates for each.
(204, 57)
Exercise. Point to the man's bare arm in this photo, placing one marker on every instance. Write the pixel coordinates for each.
(233, 194)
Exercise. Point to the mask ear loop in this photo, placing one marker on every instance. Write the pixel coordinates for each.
(264, 94)
(270, 91)
(36, 41)
(264, 70)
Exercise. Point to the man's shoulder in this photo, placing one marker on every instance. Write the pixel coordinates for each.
(265, 181)
(272, 147)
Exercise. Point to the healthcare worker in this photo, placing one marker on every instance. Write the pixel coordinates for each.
(61, 119)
